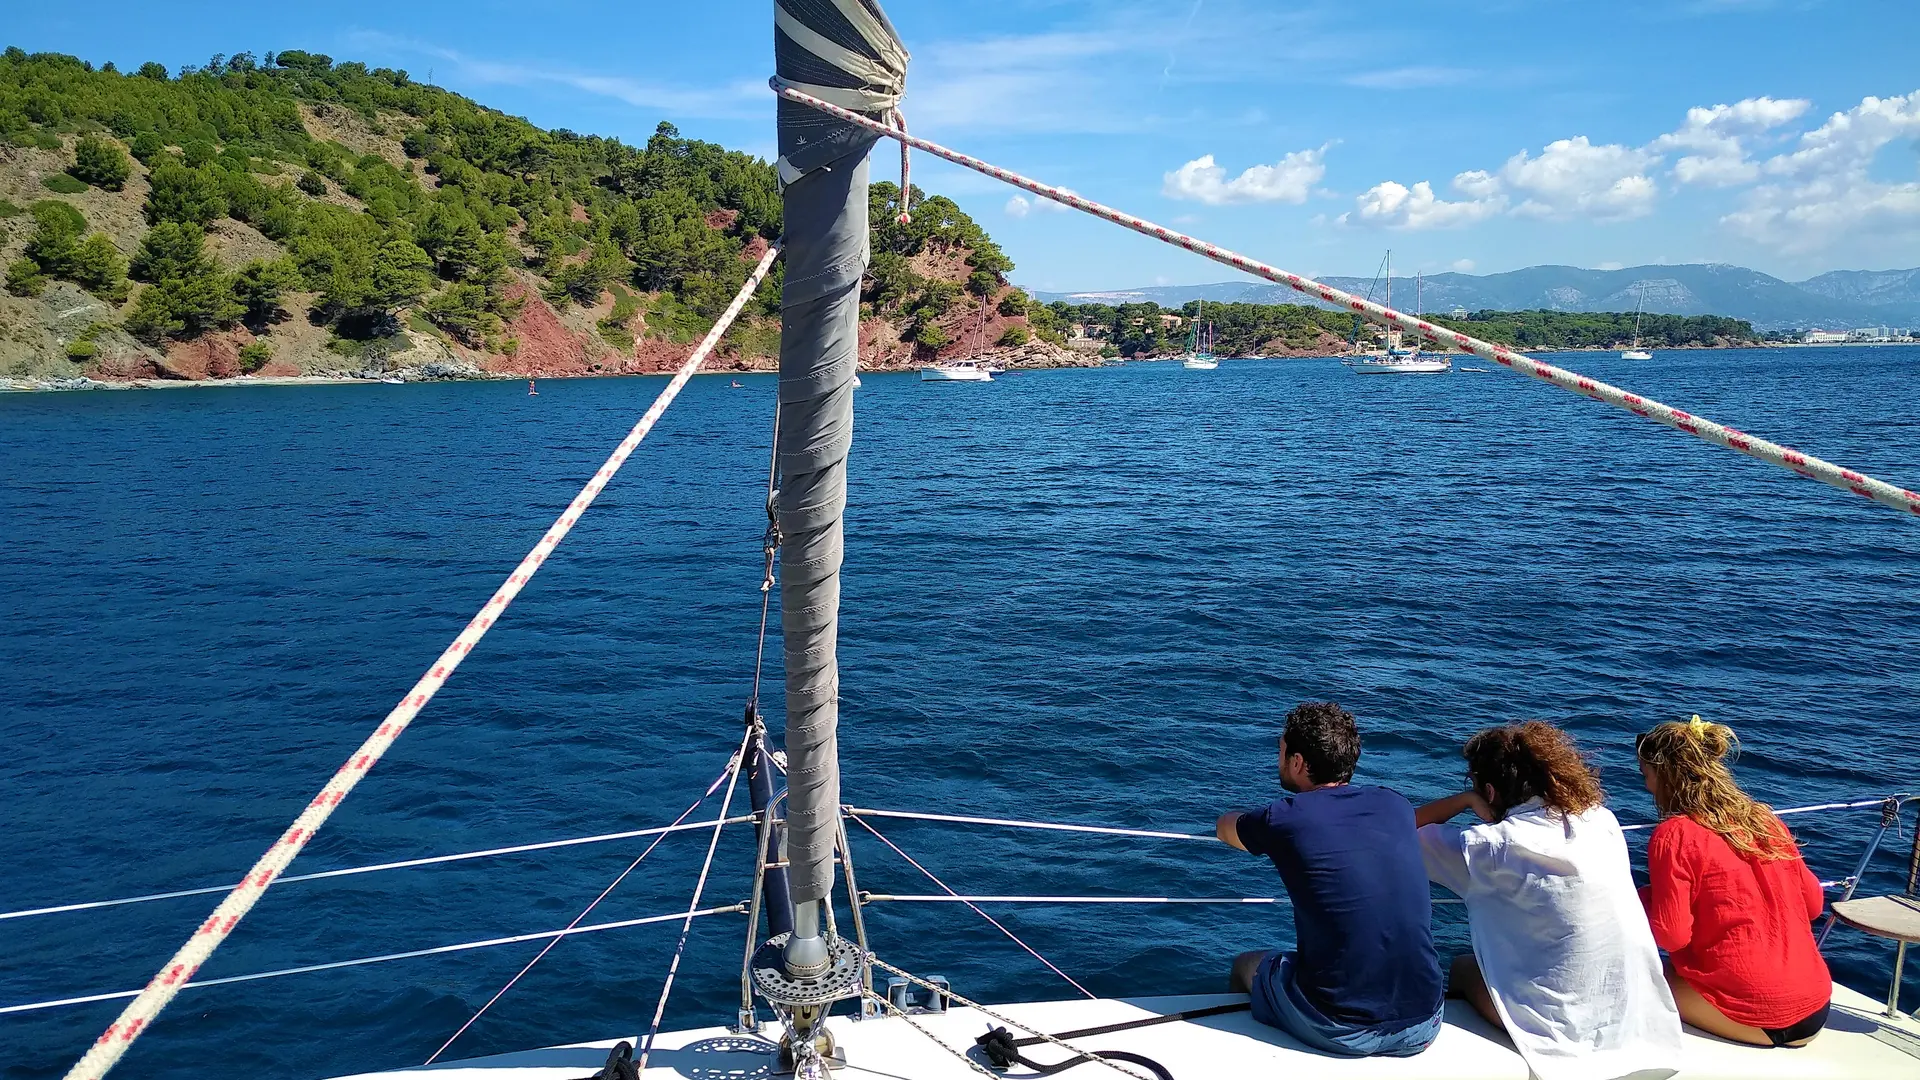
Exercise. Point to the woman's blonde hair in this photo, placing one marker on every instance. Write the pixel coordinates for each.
(1688, 760)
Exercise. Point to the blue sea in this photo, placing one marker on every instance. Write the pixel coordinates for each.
(1083, 596)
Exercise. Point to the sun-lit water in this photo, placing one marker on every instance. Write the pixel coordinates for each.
(1081, 595)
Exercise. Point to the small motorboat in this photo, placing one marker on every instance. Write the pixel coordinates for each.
(736, 384)
(964, 371)
(391, 381)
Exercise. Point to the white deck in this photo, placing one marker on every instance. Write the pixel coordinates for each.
(1858, 1043)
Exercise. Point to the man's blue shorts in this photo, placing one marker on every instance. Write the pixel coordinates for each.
(1277, 1002)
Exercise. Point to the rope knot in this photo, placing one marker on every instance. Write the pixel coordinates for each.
(999, 1047)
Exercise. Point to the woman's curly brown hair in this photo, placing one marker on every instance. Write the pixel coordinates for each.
(1532, 760)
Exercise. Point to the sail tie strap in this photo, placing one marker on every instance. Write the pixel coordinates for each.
(141, 1011)
(1706, 430)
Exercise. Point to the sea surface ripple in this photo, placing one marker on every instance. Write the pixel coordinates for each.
(1082, 596)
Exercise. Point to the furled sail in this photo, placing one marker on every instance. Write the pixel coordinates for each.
(847, 52)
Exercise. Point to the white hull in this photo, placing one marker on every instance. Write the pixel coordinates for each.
(1635, 354)
(1200, 363)
(1858, 1042)
(1402, 365)
(955, 373)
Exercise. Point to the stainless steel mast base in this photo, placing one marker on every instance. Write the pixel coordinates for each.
(841, 979)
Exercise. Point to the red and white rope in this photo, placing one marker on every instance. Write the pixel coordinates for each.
(139, 1013)
(1804, 464)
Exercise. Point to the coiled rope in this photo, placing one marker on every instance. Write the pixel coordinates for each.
(113, 1043)
(1718, 434)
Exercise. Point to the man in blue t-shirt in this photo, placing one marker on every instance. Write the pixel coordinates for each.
(1363, 978)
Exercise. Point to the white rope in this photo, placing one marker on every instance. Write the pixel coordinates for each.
(1010, 823)
(732, 765)
(431, 860)
(141, 1011)
(1015, 938)
(365, 960)
(956, 898)
(699, 887)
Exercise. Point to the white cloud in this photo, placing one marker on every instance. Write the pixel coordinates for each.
(1461, 266)
(1573, 178)
(1393, 205)
(1717, 138)
(1609, 266)
(1020, 206)
(1823, 194)
(740, 99)
(1290, 180)
(1409, 78)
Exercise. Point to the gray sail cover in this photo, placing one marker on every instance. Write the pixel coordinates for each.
(847, 53)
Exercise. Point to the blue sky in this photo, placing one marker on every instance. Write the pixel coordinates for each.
(1779, 135)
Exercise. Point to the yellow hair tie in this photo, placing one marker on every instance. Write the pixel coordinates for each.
(1697, 726)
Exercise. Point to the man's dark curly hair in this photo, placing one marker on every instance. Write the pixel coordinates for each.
(1324, 734)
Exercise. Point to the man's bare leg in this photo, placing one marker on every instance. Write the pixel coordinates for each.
(1240, 980)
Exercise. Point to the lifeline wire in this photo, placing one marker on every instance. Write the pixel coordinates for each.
(976, 909)
(113, 1043)
(732, 765)
(1773, 453)
(440, 950)
(699, 887)
(431, 860)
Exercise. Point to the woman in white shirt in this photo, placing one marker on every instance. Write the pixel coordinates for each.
(1562, 955)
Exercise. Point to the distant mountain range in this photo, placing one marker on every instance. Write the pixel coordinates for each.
(1837, 300)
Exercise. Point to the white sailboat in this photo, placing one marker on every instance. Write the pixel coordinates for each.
(1199, 355)
(1396, 358)
(1636, 352)
(961, 371)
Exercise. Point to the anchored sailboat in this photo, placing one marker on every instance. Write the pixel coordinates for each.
(1394, 358)
(1636, 352)
(1199, 355)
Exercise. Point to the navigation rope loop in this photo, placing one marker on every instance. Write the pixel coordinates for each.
(1706, 430)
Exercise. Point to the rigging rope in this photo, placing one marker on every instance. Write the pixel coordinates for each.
(1804, 464)
(1005, 1021)
(113, 1043)
(732, 767)
(431, 860)
(976, 908)
(336, 965)
(699, 887)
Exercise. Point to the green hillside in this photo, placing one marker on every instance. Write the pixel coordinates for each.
(382, 205)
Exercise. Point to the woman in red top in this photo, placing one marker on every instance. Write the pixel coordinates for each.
(1731, 900)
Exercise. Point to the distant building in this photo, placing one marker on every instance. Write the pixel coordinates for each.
(1824, 337)
(1459, 312)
